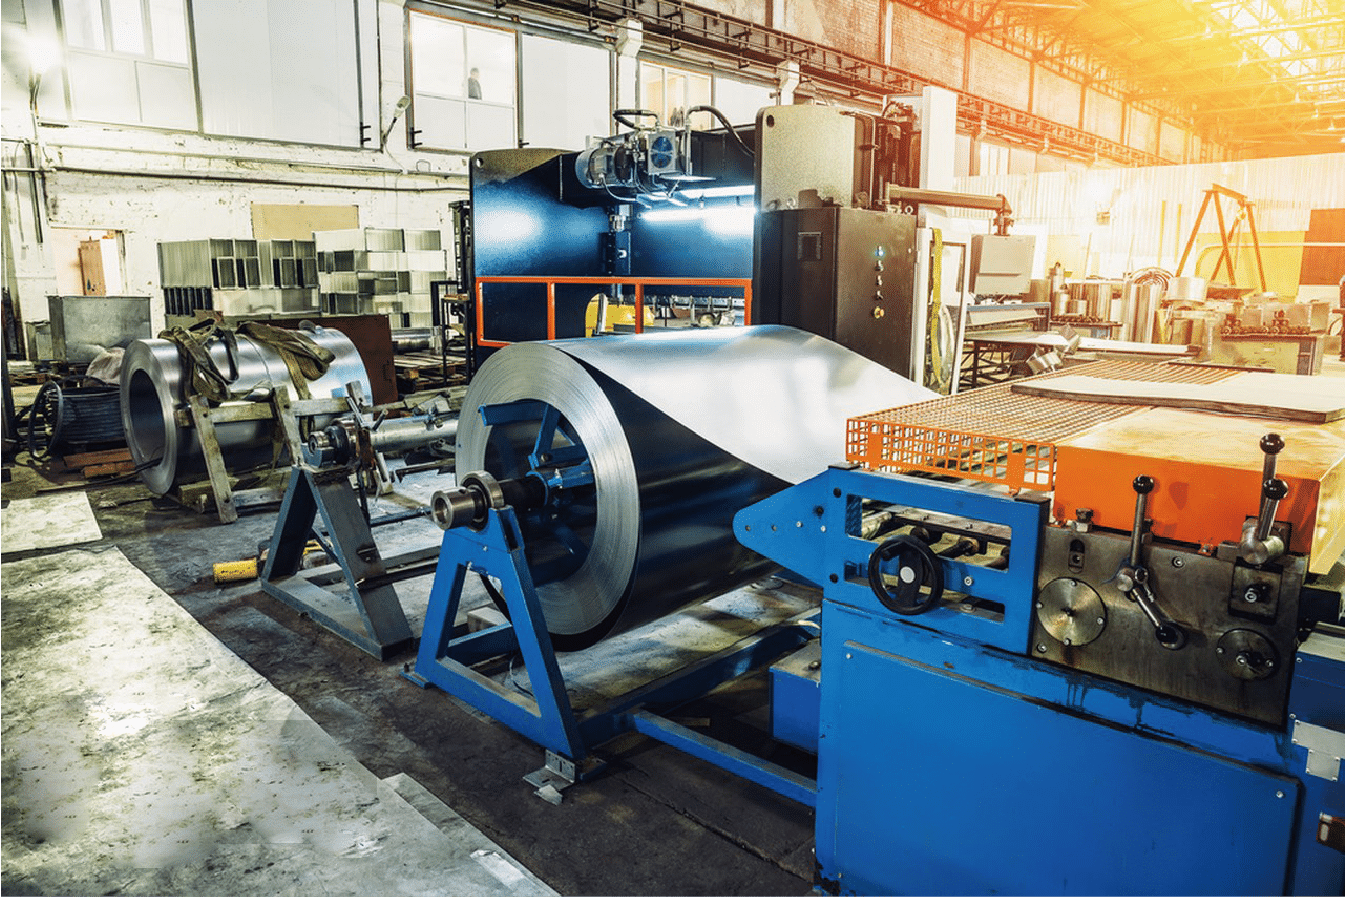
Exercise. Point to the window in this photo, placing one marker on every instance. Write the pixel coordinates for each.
(281, 69)
(567, 94)
(671, 92)
(129, 62)
(741, 100)
(463, 83)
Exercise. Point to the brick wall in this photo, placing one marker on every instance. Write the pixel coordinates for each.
(927, 46)
(1056, 98)
(1102, 115)
(852, 26)
(998, 75)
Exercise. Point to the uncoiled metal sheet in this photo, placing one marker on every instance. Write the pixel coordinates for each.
(682, 430)
(152, 391)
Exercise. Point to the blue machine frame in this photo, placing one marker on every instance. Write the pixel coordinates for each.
(950, 761)
(445, 660)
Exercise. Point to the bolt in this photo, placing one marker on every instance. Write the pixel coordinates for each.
(1250, 595)
(848, 655)
(798, 523)
(1218, 650)
(1040, 605)
(1101, 620)
(1069, 642)
(1041, 649)
(1178, 563)
(877, 313)
(1279, 794)
(966, 581)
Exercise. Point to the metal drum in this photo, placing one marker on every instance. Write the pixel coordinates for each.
(152, 391)
(680, 431)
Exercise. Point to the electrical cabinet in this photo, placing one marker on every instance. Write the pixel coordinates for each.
(845, 274)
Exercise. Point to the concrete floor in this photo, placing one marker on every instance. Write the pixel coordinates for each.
(142, 756)
(655, 822)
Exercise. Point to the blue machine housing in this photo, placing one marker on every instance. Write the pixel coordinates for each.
(950, 761)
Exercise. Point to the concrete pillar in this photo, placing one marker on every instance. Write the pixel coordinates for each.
(629, 40)
(787, 81)
(938, 138)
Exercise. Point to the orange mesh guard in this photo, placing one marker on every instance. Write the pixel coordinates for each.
(994, 435)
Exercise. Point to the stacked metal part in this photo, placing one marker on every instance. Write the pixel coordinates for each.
(673, 433)
(154, 391)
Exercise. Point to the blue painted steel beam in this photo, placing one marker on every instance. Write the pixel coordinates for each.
(782, 781)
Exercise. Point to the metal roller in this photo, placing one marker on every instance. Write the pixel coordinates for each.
(152, 391)
(651, 528)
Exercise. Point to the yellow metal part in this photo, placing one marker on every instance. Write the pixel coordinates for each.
(236, 571)
(618, 316)
(1207, 471)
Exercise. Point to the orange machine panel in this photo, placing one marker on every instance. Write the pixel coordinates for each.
(1207, 470)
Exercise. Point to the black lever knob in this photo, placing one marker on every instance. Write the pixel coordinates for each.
(1143, 486)
(1272, 445)
(1274, 489)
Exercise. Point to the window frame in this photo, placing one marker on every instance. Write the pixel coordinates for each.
(515, 106)
(146, 57)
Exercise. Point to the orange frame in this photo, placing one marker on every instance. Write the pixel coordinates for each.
(744, 283)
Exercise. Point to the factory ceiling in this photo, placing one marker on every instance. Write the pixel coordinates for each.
(1262, 77)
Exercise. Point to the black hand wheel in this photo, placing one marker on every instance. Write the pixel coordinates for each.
(919, 576)
(46, 420)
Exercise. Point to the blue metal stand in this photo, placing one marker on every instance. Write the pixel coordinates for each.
(445, 662)
(547, 716)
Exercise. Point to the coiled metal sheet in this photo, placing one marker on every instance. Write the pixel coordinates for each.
(682, 430)
(152, 390)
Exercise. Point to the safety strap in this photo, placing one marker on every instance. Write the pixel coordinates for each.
(304, 358)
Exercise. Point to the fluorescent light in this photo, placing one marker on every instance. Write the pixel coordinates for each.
(717, 192)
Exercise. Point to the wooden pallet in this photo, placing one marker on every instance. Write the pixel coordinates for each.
(108, 462)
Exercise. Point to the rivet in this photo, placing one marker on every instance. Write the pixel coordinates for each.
(1279, 794)
(1041, 649)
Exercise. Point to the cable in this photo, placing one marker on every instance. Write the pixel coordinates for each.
(726, 123)
(622, 118)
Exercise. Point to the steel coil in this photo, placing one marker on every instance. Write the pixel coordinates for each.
(681, 430)
(153, 390)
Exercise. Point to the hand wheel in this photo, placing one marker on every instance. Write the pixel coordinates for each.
(918, 569)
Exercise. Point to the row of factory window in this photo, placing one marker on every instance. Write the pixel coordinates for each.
(307, 71)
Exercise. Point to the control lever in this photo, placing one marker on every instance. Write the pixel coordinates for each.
(1133, 577)
(1259, 546)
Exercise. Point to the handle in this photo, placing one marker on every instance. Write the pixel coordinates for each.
(1143, 486)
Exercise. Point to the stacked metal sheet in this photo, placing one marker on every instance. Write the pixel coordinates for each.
(381, 271)
(237, 276)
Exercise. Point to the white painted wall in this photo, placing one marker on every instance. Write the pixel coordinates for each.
(155, 185)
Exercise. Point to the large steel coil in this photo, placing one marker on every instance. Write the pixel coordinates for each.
(681, 430)
(154, 388)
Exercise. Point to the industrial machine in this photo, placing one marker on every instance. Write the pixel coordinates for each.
(1050, 645)
(327, 498)
(214, 400)
(790, 221)
(1052, 617)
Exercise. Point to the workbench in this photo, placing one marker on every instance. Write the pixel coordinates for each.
(997, 356)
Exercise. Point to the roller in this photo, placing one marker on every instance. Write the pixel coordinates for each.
(153, 389)
(680, 431)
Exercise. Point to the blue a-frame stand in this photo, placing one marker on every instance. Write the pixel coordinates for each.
(547, 717)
